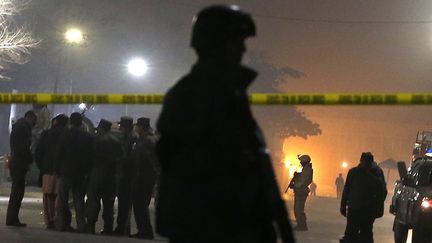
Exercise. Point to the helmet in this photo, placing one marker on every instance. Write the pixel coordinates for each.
(304, 158)
(216, 24)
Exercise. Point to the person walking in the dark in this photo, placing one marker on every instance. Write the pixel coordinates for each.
(300, 184)
(363, 200)
(21, 158)
(126, 172)
(339, 185)
(212, 186)
(313, 188)
(144, 179)
(45, 160)
(102, 184)
(73, 164)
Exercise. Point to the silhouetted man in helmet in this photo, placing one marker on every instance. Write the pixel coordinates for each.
(211, 185)
(21, 158)
(300, 184)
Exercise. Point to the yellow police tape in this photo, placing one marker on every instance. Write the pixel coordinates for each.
(255, 99)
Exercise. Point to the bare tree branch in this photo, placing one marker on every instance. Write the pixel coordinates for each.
(15, 41)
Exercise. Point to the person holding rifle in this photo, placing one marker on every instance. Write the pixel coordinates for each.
(300, 184)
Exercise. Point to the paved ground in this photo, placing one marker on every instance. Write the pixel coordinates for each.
(35, 231)
(325, 226)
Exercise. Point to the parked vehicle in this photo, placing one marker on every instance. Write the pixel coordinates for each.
(412, 201)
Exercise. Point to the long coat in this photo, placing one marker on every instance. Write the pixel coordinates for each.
(46, 149)
(365, 189)
(20, 142)
(107, 151)
(146, 161)
(210, 182)
(74, 155)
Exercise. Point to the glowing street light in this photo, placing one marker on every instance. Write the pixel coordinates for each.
(137, 67)
(344, 165)
(74, 36)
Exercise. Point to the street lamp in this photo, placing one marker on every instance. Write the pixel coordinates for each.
(74, 36)
(137, 67)
(344, 165)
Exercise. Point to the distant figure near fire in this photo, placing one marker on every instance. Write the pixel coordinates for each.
(339, 186)
(300, 184)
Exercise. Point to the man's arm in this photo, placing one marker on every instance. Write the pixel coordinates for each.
(345, 194)
(382, 178)
(292, 182)
(40, 150)
(20, 141)
(60, 151)
(90, 140)
(309, 178)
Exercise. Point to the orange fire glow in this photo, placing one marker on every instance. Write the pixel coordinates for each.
(292, 166)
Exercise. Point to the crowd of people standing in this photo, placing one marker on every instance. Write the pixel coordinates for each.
(101, 166)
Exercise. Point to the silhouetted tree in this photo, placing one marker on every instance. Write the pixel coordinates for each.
(279, 122)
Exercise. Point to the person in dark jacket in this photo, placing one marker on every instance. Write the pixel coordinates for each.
(21, 158)
(126, 172)
(45, 160)
(73, 164)
(300, 184)
(102, 184)
(363, 199)
(144, 178)
(211, 186)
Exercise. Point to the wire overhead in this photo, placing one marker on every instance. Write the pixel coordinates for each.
(316, 20)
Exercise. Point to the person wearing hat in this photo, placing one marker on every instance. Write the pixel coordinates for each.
(107, 152)
(363, 199)
(300, 184)
(125, 174)
(212, 153)
(144, 178)
(45, 160)
(73, 165)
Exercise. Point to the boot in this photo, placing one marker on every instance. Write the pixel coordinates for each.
(107, 229)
